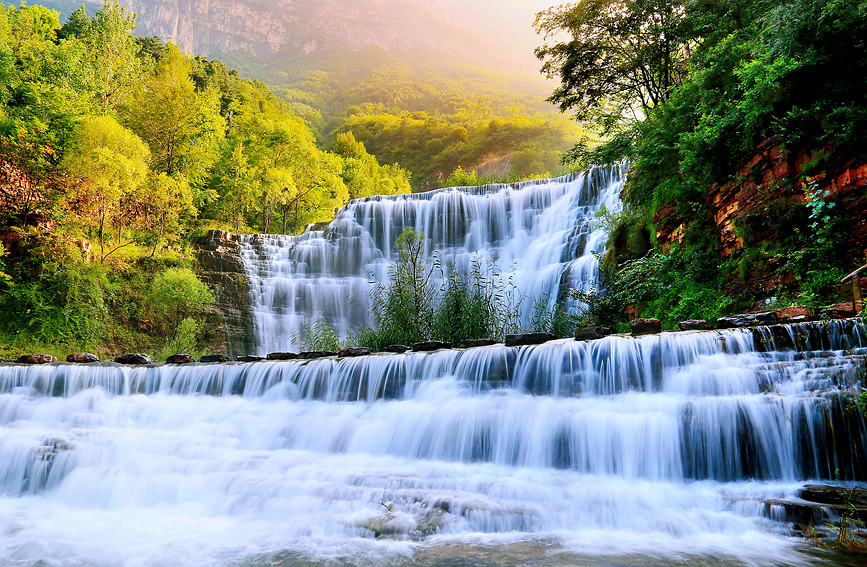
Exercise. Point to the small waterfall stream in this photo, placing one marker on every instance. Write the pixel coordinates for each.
(541, 235)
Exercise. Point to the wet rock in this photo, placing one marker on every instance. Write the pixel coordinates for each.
(182, 358)
(472, 343)
(432, 522)
(398, 349)
(82, 358)
(354, 351)
(839, 311)
(36, 359)
(592, 333)
(425, 346)
(133, 358)
(799, 312)
(695, 325)
(282, 355)
(834, 495)
(528, 339)
(2, 360)
(645, 327)
(214, 358)
(315, 354)
(249, 358)
(747, 320)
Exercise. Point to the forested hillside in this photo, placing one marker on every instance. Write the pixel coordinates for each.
(116, 151)
(744, 123)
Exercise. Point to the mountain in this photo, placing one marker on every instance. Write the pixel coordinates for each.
(495, 34)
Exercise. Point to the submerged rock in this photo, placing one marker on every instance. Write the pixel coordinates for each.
(82, 358)
(645, 327)
(398, 349)
(315, 354)
(282, 355)
(425, 346)
(472, 343)
(695, 325)
(214, 358)
(36, 359)
(528, 339)
(592, 333)
(180, 359)
(133, 358)
(747, 320)
(354, 351)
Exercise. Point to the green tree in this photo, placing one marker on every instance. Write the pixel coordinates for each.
(113, 54)
(621, 58)
(110, 163)
(178, 293)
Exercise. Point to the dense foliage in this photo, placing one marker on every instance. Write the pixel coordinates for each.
(688, 89)
(430, 116)
(115, 149)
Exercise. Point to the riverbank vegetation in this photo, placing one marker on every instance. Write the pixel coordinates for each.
(688, 92)
(116, 153)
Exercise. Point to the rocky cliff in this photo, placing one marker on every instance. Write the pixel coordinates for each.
(223, 269)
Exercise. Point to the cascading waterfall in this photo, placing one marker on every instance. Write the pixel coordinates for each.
(541, 235)
(564, 453)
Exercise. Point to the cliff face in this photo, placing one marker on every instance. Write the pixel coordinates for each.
(264, 28)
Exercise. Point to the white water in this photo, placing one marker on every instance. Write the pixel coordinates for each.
(541, 235)
(643, 451)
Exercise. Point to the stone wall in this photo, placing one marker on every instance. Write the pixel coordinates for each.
(222, 268)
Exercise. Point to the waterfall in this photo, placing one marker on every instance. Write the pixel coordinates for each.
(658, 446)
(541, 235)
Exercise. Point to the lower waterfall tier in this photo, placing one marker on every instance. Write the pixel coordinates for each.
(660, 448)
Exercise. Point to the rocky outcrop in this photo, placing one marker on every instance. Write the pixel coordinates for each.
(82, 358)
(180, 359)
(211, 358)
(645, 327)
(307, 355)
(354, 351)
(528, 339)
(591, 333)
(747, 320)
(133, 358)
(222, 268)
(396, 349)
(472, 343)
(36, 359)
(282, 356)
(695, 325)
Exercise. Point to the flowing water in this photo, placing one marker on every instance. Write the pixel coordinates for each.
(540, 236)
(658, 450)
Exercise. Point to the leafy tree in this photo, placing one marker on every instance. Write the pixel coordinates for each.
(178, 292)
(110, 164)
(77, 25)
(113, 54)
(621, 58)
(182, 127)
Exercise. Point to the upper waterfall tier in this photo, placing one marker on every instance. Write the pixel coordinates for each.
(540, 234)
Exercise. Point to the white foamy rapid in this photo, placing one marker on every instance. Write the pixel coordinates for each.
(540, 234)
(648, 451)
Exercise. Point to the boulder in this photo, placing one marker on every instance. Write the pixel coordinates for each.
(747, 320)
(134, 358)
(282, 356)
(645, 327)
(315, 354)
(472, 343)
(695, 325)
(82, 358)
(591, 333)
(424, 346)
(214, 358)
(249, 358)
(182, 358)
(528, 339)
(398, 349)
(354, 351)
(36, 359)
(839, 311)
(799, 312)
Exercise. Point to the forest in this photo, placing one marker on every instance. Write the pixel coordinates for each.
(116, 152)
